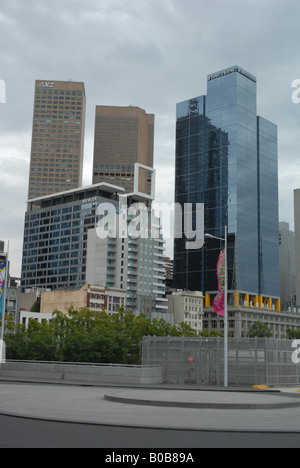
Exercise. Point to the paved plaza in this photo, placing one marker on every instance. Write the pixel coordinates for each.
(155, 407)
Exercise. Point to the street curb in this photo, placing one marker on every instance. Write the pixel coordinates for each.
(199, 405)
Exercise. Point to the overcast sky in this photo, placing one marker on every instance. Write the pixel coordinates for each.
(148, 53)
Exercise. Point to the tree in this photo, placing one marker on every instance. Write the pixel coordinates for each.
(211, 334)
(86, 336)
(41, 341)
(16, 344)
(259, 330)
(292, 334)
(36, 307)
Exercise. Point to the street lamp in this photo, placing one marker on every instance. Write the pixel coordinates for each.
(4, 293)
(210, 236)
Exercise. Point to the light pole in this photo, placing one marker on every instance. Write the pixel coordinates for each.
(210, 236)
(2, 345)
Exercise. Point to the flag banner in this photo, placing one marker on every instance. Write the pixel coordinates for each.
(218, 306)
(2, 285)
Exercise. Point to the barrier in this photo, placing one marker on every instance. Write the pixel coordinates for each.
(200, 361)
(80, 373)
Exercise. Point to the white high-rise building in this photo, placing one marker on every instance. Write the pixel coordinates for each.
(132, 257)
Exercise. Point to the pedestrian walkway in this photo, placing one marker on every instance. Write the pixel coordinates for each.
(270, 412)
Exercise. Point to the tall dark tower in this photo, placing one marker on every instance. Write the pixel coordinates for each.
(226, 158)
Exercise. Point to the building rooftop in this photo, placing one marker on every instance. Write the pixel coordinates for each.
(103, 185)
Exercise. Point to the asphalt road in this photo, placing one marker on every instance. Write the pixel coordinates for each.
(26, 433)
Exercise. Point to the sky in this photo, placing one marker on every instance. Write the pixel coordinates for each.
(148, 53)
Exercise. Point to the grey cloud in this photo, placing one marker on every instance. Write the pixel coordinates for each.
(151, 53)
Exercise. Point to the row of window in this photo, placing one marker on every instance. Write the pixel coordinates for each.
(60, 92)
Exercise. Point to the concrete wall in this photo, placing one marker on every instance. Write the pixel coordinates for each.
(96, 260)
(90, 374)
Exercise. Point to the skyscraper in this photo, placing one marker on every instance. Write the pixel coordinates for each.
(287, 267)
(297, 242)
(226, 158)
(134, 264)
(123, 136)
(57, 137)
(55, 236)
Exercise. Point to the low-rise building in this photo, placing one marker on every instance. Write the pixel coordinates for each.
(95, 298)
(187, 307)
(242, 318)
(25, 316)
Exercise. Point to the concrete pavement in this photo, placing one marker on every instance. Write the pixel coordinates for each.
(216, 410)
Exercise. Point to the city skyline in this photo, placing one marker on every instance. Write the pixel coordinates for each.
(139, 67)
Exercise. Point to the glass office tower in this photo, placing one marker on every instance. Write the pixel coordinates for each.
(226, 158)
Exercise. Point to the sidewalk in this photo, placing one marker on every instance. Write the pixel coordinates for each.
(136, 407)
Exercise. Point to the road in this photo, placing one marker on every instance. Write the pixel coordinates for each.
(26, 433)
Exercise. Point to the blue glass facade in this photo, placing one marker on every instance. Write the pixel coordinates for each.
(268, 207)
(226, 158)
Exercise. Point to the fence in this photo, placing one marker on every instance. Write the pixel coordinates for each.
(200, 361)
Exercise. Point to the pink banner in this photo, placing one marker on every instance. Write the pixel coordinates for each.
(218, 306)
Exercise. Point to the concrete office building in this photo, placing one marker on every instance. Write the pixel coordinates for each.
(13, 291)
(123, 136)
(226, 158)
(242, 318)
(56, 160)
(297, 243)
(55, 236)
(187, 307)
(287, 267)
(135, 264)
(62, 250)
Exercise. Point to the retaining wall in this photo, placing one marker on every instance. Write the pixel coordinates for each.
(60, 372)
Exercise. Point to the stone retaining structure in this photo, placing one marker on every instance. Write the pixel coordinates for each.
(80, 373)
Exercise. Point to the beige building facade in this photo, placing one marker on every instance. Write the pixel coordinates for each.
(123, 136)
(95, 298)
(187, 307)
(58, 128)
(242, 318)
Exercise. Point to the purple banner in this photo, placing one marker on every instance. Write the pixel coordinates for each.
(2, 286)
(218, 306)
